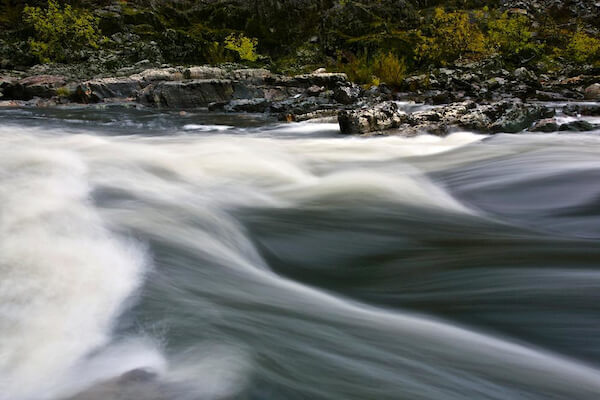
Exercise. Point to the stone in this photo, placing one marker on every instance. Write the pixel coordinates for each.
(520, 116)
(43, 86)
(382, 117)
(188, 94)
(259, 105)
(98, 90)
(592, 92)
(546, 125)
(578, 126)
(347, 94)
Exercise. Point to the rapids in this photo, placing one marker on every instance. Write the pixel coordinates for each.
(232, 257)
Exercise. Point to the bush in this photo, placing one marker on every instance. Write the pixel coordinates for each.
(583, 48)
(61, 33)
(451, 36)
(243, 46)
(381, 68)
(510, 36)
(389, 69)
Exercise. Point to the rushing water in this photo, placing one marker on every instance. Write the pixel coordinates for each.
(236, 258)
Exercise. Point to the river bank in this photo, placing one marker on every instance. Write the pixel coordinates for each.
(477, 97)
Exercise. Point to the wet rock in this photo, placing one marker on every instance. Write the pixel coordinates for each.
(577, 126)
(43, 86)
(592, 92)
(546, 125)
(99, 90)
(188, 94)
(259, 105)
(549, 96)
(347, 94)
(520, 116)
(592, 110)
(375, 119)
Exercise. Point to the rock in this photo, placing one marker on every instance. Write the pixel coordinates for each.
(347, 94)
(592, 110)
(592, 92)
(43, 86)
(546, 125)
(314, 90)
(520, 116)
(577, 126)
(205, 72)
(375, 119)
(188, 94)
(159, 74)
(549, 96)
(327, 80)
(524, 75)
(259, 105)
(99, 90)
(252, 75)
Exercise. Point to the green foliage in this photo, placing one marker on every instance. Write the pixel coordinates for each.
(450, 36)
(245, 47)
(583, 48)
(382, 68)
(512, 37)
(61, 33)
(63, 92)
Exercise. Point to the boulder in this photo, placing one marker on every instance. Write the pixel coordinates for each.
(379, 118)
(546, 125)
(159, 74)
(43, 86)
(592, 92)
(188, 94)
(259, 105)
(520, 116)
(578, 126)
(347, 94)
(98, 90)
(205, 72)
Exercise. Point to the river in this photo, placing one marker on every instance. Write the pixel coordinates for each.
(234, 257)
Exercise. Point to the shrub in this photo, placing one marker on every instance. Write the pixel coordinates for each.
(583, 48)
(511, 36)
(245, 47)
(61, 33)
(389, 69)
(383, 67)
(451, 36)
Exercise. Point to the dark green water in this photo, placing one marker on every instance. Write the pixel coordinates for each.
(229, 257)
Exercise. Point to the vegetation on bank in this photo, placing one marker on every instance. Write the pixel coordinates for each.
(373, 41)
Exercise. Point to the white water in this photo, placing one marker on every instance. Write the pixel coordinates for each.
(80, 213)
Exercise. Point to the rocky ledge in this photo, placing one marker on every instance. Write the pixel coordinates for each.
(478, 98)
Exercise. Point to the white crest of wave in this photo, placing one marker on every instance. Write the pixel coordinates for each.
(64, 276)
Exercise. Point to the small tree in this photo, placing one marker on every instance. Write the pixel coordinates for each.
(245, 47)
(61, 33)
(511, 36)
(451, 36)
